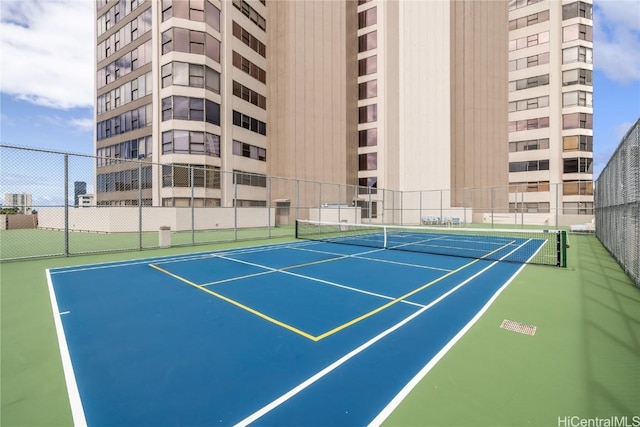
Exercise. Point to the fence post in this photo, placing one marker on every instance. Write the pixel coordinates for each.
(297, 199)
(319, 201)
(193, 212)
(339, 206)
(464, 206)
(401, 207)
(235, 210)
(522, 209)
(140, 204)
(66, 205)
(269, 207)
(440, 220)
(492, 207)
(420, 214)
(557, 201)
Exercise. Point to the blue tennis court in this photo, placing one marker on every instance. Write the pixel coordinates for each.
(304, 333)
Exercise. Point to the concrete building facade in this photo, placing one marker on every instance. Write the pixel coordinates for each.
(403, 95)
(551, 106)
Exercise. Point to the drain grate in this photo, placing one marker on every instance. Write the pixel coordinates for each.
(521, 328)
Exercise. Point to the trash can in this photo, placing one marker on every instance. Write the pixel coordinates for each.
(164, 237)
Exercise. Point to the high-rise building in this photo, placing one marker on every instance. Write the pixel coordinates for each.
(406, 95)
(403, 95)
(170, 91)
(79, 187)
(551, 106)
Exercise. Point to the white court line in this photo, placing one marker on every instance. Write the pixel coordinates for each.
(300, 387)
(177, 258)
(326, 282)
(77, 412)
(359, 256)
(393, 404)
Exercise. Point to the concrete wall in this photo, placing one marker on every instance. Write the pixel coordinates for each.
(125, 219)
(18, 221)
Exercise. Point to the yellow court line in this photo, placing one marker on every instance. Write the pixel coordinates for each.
(407, 295)
(237, 304)
(344, 325)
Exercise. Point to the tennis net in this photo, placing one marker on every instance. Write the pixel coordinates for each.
(547, 247)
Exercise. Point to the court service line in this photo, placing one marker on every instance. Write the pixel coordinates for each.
(359, 256)
(237, 304)
(407, 295)
(314, 378)
(314, 279)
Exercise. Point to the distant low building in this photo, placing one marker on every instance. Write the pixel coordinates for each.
(21, 201)
(85, 200)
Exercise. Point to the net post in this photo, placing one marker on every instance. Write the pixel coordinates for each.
(297, 224)
(563, 249)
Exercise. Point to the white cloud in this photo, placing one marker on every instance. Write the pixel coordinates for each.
(82, 125)
(617, 39)
(48, 51)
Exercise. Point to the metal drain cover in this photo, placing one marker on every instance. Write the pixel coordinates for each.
(521, 328)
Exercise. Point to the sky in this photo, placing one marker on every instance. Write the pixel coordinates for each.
(47, 75)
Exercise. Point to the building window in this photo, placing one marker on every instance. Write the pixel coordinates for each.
(577, 54)
(248, 39)
(194, 109)
(251, 13)
(368, 185)
(249, 151)
(529, 187)
(368, 162)
(525, 21)
(249, 178)
(249, 95)
(577, 76)
(577, 143)
(581, 98)
(249, 67)
(528, 124)
(368, 17)
(577, 9)
(529, 104)
(190, 41)
(577, 32)
(528, 41)
(529, 207)
(528, 145)
(577, 121)
(368, 137)
(578, 165)
(247, 122)
(528, 166)
(529, 61)
(577, 208)
(516, 4)
(368, 41)
(368, 89)
(367, 65)
(368, 113)
(529, 83)
(577, 188)
(178, 175)
(190, 142)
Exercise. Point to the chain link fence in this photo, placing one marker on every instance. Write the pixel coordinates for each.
(617, 201)
(60, 204)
